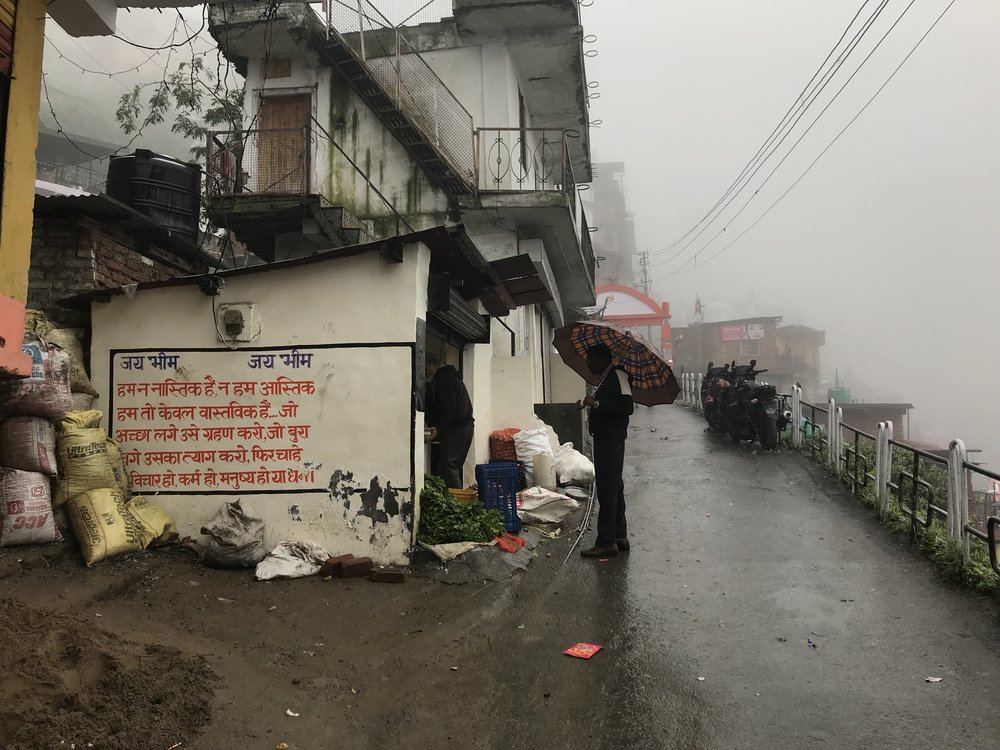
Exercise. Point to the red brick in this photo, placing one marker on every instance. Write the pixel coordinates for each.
(332, 565)
(356, 567)
(388, 575)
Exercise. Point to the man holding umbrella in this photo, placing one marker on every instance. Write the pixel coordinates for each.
(626, 371)
(610, 408)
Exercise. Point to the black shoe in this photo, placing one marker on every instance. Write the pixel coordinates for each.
(623, 545)
(609, 551)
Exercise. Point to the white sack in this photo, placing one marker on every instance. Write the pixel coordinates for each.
(528, 444)
(446, 552)
(573, 468)
(538, 505)
(292, 560)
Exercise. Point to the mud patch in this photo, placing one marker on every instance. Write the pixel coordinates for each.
(64, 681)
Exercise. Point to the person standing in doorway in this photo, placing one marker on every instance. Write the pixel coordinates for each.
(610, 409)
(450, 418)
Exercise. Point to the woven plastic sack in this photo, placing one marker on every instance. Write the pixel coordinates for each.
(28, 444)
(26, 509)
(573, 468)
(83, 457)
(47, 392)
(529, 443)
(104, 527)
(118, 468)
(69, 339)
(160, 528)
(236, 537)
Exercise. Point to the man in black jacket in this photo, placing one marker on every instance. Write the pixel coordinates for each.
(610, 407)
(450, 418)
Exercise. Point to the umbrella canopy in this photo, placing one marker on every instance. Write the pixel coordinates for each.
(653, 381)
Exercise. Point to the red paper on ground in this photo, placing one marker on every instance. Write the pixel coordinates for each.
(583, 650)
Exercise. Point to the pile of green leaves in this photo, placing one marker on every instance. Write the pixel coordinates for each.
(444, 520)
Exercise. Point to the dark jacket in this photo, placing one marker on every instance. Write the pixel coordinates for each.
(609, 421)
(449, 403)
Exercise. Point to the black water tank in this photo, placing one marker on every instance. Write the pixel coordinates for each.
(165, 189)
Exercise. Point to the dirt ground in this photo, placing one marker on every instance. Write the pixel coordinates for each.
(153, 651)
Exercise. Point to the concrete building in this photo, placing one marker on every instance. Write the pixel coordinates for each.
(631, 308)
(789, 353)
(615, 241)
(413, 189)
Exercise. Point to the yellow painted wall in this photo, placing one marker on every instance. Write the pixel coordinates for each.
(19, 158)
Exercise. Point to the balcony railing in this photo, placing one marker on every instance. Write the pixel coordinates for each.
(259, 162)
(415, 89)
(515, 159)
(587, 245)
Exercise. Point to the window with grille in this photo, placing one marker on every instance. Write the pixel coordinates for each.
(749, 348)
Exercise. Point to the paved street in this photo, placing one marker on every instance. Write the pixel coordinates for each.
(738, 561)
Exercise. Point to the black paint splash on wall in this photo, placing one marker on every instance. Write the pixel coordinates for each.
(378, 504)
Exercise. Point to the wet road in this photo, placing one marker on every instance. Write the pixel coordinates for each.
(738, 561)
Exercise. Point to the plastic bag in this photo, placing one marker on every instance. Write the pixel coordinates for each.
(538, 505)
(529, 443)
(103, 525)
(47, 392)
(26, 509)
(572, 467)
(292, 560)
(28, 444)
(159, 527)
(237, 537)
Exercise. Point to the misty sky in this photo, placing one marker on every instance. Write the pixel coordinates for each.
(888, 243)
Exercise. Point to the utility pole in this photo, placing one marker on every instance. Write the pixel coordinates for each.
(644, 269)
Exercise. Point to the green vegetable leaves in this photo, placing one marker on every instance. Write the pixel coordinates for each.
(444, 520)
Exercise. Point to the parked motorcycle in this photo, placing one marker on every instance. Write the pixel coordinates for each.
(750, 408)
(713, 388)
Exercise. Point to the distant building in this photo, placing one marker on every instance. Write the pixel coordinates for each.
(789, 353)
(614, 239)
(633, 309)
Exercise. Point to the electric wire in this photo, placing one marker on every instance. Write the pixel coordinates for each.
(684, 269)
(802, 100)
(825, 81)
(796, 144)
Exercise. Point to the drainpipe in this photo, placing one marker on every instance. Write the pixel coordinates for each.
(513, 340)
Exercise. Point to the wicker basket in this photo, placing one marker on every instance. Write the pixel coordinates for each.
(465, 497)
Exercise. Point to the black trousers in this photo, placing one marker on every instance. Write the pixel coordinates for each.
(609, 460)
(453, 448)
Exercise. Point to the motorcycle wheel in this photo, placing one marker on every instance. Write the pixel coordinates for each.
(767, 430)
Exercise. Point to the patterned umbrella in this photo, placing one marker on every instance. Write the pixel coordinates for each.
(653, 381)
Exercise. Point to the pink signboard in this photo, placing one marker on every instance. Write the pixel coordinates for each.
(733, 333)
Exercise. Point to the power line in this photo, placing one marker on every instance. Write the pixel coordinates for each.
(773, 134)
(813, 97)
(683, 269)
(800, 139)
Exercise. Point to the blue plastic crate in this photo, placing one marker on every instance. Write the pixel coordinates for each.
(498, 490)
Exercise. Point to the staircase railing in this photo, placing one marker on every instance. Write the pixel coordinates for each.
(416, 90)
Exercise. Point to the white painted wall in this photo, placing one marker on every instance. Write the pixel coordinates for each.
(361, 416)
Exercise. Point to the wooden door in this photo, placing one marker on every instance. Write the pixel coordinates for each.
(283, 145)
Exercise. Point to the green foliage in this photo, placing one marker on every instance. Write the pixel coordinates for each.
(934, 541)
(199, 99)
(444, 520)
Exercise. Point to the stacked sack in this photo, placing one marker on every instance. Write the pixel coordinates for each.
(29, 407)
(94, 488)
(91, 484)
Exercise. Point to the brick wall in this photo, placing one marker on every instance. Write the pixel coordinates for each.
(72, 254)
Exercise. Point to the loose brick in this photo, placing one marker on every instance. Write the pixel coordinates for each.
(356, 567)
(388, 575)
(332, 565)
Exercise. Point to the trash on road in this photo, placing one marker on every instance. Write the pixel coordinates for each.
(701, 679)
(811, 643)
(281, 746)
(292, 560)
(236, 537)
(583, 650)
(291, 713)
(933, 679)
